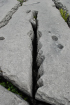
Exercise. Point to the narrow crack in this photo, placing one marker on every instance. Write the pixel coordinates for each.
(34, 23)
(35, 67)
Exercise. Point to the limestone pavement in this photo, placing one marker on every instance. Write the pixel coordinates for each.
(53, 52)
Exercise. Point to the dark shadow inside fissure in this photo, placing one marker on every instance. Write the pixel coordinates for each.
(34, 67)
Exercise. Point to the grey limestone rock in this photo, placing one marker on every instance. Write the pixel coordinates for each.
(16, 51)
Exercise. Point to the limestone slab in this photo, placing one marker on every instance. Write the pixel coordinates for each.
(16, 51)
(53, 53)
(6, 6)
(55, 44)
(9, 98)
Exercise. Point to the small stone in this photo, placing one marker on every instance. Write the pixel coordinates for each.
(28, 11)
(60, 46)
(2, 38)
(49, 31)
(58, 5)
(54, 38)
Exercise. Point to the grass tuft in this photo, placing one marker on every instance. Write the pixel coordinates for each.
(64, 14)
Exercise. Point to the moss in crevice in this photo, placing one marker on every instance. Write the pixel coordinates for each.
(9, 86)
(64, 14)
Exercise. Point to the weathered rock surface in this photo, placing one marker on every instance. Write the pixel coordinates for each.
(8, 98)
(6, 6)
(55, 68)
(16, 51)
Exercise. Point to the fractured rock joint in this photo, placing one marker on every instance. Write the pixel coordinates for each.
(9, 15)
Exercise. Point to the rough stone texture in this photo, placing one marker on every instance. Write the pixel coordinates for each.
(6, 6)
(16, 51)
(8, 98)
(55, 68)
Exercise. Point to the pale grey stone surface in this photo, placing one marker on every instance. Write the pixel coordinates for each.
(16, 51)
(55, 75)
(6, 6)
(9, 98)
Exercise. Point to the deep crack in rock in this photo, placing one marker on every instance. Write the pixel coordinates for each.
(34, 23)
(35, 67)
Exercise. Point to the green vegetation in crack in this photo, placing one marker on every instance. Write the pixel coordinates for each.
(21, 1)
(9, 86)
(64, 14)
